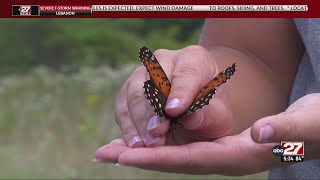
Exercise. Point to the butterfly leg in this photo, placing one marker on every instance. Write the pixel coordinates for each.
(174, 122)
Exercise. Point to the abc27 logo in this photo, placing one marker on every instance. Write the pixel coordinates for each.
(25, 10)
(289, 151)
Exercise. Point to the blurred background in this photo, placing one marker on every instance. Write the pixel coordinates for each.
(58, 82)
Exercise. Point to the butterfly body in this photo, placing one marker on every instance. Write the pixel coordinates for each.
(157, 89)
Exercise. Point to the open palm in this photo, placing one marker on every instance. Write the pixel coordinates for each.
(231, 155)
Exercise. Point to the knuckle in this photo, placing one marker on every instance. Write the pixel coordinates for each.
(118, 96)
(190, 162)
(195, 49)
(139, 70)
(180, 77)
(164, 153)
(190, 72)
(292, 130)
(135, 91)
(127, 131)
(200, 54)
(135, 96)
(121, 92)
(196, 61)
(122, 116)
(120, 105)
(161, 53)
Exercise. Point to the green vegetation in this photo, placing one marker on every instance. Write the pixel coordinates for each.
(57, 89)
(72, 43)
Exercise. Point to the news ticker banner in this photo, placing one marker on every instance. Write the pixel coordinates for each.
(200, 8)
(160, 8)
(86, 10)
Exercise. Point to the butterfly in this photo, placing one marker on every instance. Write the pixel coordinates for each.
(157, 89)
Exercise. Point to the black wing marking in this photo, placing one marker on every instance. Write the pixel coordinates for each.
(145, 54)
(155, 98)
(203, 101)
(230, 71)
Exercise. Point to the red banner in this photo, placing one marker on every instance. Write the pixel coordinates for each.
(65, 10)
(159, 9)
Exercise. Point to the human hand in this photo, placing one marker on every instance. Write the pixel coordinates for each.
(189, 69)
(230, 155)
(300, 122)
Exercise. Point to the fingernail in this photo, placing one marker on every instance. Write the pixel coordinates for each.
(154, 122)
(151, 140)
(101, 161)
(266, 132)
(173, 103)
(135, 140)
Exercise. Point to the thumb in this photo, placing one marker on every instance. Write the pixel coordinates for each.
(300, 122)
(193, 67)
(273, 129)
(270, 129)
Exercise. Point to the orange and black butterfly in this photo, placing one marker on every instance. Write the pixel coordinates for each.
(157, 89)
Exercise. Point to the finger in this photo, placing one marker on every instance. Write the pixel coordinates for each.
(263, 132)
(153, 133)
(292, 127)
(140, 109)
(214, 120)
(118, 142)
(110, 153)
(175, 158)
(157, 126)
(299, 122)
(153, 141)
(203, 158)
(129, 132)
(123, 116)
(193, 68)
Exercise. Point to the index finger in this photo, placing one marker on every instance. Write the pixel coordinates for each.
(193, 69)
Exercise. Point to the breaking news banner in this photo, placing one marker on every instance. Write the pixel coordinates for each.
(289, 151)
(86, 10)
(25, 10)
(199, 7)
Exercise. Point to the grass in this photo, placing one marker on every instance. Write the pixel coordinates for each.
(51, 124)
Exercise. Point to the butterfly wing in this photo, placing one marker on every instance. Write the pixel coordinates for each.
(157, 75)
(155, 98)
(157, 89)
(203, 97)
